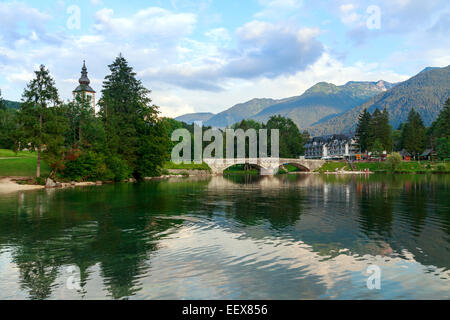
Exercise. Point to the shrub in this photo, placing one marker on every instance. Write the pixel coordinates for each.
(394, 161)
(118, 170)
(87, 166)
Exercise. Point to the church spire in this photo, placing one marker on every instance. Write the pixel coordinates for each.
(84, 89)
(84, 80)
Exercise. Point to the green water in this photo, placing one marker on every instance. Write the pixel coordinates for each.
(237, 237)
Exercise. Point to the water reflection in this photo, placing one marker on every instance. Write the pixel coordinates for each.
(243, 237)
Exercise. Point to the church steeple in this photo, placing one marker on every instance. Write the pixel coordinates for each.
(84, 78)
(84, 89)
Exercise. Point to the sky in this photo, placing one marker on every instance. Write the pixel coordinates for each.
(207, 55)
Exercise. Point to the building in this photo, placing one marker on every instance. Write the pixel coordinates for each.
(84, 90)
(336, 147)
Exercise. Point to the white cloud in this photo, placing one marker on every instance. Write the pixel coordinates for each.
(14, 15)
(278, 8)
(259, 59)
(220, 35)
(153, 23)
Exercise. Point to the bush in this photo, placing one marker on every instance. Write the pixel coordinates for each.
(88, 166)
(394, 161)
(441, 167)
(118, 170)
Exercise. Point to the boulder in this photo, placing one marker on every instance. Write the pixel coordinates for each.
(50, 183)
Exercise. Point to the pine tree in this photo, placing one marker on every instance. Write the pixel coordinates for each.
(442, 124)
(2, 105)
(40, 94)
(414, 134)
(384, 130)
(133, 130)
(379, 129)
(363, 131)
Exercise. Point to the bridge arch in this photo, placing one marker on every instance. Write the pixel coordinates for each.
(299, 166)
(253, 165)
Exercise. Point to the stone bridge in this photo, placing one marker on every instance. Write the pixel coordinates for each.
(267, 166)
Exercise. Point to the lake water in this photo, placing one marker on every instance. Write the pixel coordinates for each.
(242, 237)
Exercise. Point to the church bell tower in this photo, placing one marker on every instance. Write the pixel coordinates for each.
(84, 90)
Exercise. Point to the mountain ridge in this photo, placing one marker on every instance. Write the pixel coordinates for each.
(426, 92)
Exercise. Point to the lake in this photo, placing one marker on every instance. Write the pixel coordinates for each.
(238, 237)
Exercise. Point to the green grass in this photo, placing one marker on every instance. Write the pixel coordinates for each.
(22, 164)
(383, 167)
(332, 166)
(193, 166)
(22, 154)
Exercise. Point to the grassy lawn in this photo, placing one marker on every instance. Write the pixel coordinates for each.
(193, 166)
(23, 164)
(404, 167)
(22, 154)
(332, 166)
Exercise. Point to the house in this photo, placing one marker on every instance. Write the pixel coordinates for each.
(335, 147)
(427, 154)
(405, 155)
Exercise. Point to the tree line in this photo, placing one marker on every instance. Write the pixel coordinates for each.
(374, 134)
(126, 139)
(291, 139)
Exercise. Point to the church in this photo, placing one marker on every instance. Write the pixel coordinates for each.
(84, 90)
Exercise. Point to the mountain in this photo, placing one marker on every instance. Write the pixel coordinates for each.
(12, 104)
(193, 117)
(319, 103)
(426, 93)
(324, 101)
(239, 112)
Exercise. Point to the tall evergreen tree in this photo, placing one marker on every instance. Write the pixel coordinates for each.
(8, 125)
(363, 131)
(414, 134)
(2, 105)
(441, 127)
(379, 129)
(133, 130)
(40, 94)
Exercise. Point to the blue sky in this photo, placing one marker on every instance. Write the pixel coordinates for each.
(208, 55)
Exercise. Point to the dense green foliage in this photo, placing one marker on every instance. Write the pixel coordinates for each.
(7, 125)
(291, 139)
(133, 131)
(414, 134)
(439, 133)
(126, 139)
(373, 132)
(394, 161)
(38, 123)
